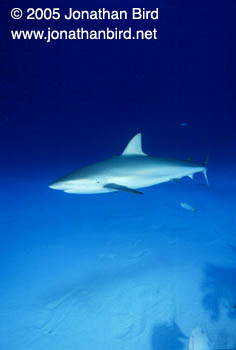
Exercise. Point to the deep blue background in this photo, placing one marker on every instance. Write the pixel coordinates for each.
(69, 103)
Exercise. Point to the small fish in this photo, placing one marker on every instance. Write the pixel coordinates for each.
(183, 124)
(188, 207)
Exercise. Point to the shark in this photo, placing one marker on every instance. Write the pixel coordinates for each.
(131, 171)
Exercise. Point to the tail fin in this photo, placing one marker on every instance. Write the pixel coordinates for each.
(205, 175)
(205, 170)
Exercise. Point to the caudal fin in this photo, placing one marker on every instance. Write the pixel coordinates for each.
(205, 175)
(205, 168)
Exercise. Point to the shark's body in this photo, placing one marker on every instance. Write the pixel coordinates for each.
(128, 172)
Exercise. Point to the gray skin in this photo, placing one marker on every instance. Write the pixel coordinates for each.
(128, 172)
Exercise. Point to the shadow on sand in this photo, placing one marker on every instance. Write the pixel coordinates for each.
(219, 289)
(168, 337)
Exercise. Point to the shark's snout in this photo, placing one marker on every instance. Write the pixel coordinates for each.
(56, 185)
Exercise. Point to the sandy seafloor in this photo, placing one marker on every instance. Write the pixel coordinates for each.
(118, 271)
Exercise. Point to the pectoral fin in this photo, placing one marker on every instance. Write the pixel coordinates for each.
(121, 188)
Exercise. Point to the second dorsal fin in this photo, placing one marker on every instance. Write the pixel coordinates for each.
(134, 147)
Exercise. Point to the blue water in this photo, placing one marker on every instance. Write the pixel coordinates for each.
(117, 270)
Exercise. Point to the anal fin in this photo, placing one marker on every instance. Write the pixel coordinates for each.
(176, 180)
(117, 187)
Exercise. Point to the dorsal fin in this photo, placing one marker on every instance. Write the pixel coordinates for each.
(134, 147)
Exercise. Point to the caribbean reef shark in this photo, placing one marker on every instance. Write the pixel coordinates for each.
(130, 171)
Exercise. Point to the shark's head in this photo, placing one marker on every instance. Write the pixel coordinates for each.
(78, 183)
(77, 186)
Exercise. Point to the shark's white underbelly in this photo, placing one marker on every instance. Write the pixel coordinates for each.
(140, 182)
(134, 182)
(131, 180)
